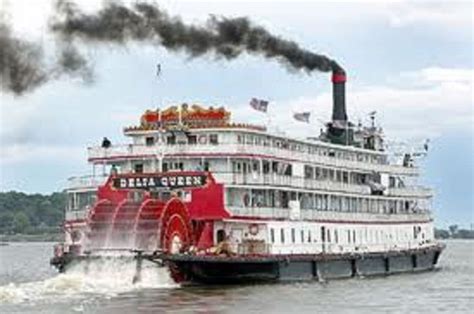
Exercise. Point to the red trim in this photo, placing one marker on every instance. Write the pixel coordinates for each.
(338, 77)
(334, 221)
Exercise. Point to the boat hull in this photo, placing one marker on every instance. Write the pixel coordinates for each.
(238, 269)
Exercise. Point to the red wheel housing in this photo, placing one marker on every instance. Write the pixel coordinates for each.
(175, 226)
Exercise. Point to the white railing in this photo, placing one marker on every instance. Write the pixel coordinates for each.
(76, 214)
(131, 150)
(410, 191)
(312, 184)
(311, 214)
(264, 212)
(289, 181)
(331, 215)
(85, 182)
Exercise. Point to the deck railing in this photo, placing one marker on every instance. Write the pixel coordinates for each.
(129, 151)
(313, 184)
(313, 214)
(85, 182)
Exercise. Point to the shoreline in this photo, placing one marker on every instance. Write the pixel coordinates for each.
(48, 237)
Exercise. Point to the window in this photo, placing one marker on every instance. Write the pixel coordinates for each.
(293, 235)
(149, 141)
(138, 168)
(266, 167)
(302, 236)
(338, 175)
(318, 173)
(220, 236)
(309, 236)
(272, 235)
(213, 139)
(171, 140)
(288, 170)
(282, 235)
(255, 167)
(345, 177)
(192, 139)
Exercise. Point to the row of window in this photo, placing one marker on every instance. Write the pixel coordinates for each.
(323, 202)
(340, 235)
(191, 139)
(261, 140)
(267, 141)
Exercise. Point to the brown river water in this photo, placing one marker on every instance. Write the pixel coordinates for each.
(29, 285)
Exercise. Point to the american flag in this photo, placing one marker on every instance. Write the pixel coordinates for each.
(259, 104)
(302, 116)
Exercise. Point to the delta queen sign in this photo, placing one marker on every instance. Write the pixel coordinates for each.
(147, 182)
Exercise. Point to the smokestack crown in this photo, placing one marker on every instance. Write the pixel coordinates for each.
(338, 77)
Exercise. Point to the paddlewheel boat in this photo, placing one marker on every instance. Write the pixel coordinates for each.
(216, 201)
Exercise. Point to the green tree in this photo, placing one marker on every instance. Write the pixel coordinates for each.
(30, 213)
(21, 222)
(453, 229)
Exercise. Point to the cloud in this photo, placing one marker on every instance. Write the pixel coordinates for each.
(21, 153)
(440, 13)
(438, 75)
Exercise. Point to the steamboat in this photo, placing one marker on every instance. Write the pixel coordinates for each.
(221, 202)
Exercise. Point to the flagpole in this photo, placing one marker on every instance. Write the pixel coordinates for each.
(269, 120)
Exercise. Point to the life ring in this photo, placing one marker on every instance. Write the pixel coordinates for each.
(253, 229)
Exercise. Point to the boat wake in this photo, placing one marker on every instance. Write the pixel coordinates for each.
(98, 278)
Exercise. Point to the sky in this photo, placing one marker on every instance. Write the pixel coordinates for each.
(411, 61)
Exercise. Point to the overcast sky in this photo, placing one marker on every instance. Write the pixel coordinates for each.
(411, 61)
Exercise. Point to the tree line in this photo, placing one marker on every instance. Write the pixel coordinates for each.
(22, 213)
(454, 232)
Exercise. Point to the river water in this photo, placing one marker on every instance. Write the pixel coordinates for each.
(29, 285)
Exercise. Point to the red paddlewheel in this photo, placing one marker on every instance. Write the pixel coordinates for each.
(176, 229)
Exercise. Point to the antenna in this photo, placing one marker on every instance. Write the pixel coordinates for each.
(372, 118)
(156, 78)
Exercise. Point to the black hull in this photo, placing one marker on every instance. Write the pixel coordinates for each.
(249, 269)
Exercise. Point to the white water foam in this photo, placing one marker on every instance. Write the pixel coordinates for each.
(102, 278)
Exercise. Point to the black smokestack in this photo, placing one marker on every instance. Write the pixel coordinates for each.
(222, 37)
(339, 95)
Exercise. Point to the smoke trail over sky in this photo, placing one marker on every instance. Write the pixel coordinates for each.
(224, 37)
(221, 37)
(23, 67)
(20, 63)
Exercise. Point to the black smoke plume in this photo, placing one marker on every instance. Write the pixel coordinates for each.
(223, 37)
(20, 63)
(23, 65)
